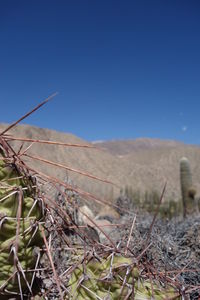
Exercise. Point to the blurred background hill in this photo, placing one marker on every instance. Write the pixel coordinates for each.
(143, 164)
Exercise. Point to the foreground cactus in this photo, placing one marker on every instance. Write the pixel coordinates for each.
(20, 214)
(113, 279)
(187, 189)
(90, 270)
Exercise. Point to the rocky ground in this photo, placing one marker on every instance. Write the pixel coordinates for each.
(169, 248)
(174, 247)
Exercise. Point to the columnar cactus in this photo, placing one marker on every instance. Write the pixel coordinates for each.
(20, 213)
(187, 189)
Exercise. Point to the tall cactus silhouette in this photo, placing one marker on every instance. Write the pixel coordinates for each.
(187, 189)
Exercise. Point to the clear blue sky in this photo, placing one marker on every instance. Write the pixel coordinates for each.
(123, 69)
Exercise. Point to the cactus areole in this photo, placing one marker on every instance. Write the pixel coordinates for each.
(21, 211)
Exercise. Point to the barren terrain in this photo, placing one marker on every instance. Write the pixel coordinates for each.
(144, 164)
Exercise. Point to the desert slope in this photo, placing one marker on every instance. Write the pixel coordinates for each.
(144, 164)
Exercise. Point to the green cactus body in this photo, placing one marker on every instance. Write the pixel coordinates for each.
(96, 281)
(187, 190)
(20, 213)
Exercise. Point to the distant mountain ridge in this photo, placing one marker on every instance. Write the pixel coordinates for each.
(145, 164)
(123, 147)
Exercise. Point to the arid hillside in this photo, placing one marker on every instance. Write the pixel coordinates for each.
(144, 164)
(123, 147)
